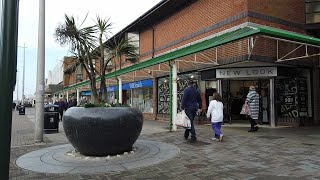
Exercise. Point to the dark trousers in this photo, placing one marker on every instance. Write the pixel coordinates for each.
(191, 113)
(61, 115)
(252, 122)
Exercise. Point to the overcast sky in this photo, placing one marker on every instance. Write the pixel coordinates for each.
(120, 12)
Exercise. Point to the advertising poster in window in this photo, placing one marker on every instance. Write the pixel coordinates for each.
(302, 97)
(288, 96)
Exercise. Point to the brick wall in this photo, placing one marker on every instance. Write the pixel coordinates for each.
(286, 14)
(193, 18)
(290, 10)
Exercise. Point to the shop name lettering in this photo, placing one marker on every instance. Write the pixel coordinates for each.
(135, 85)
(245, 72)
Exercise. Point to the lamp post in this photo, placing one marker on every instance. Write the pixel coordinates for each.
(24, 61)
(40, 75)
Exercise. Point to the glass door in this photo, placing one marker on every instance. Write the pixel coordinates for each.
(234, 93)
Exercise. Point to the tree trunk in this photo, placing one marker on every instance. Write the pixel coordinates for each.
(94, 94)
(103, 89)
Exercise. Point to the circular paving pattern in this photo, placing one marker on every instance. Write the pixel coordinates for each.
(59, 159)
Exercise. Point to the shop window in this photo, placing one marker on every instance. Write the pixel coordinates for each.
(312, 11)
(292, 97)
(142, 99)
(164, 90)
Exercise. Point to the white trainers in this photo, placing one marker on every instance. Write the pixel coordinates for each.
(221, 138)
(214, 139)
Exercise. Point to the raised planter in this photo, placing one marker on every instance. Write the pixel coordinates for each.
(102, 131)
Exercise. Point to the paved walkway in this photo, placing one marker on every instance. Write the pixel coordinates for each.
(280, 153)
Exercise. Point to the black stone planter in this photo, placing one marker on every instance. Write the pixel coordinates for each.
(102, 131)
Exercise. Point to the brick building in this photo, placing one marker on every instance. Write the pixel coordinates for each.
(226, 45)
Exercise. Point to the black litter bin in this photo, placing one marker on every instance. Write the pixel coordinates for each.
(22, 110)
(51, 118)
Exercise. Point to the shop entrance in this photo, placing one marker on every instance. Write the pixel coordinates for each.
(234, 94)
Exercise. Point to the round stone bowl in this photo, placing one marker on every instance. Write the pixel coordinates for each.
(102, 131)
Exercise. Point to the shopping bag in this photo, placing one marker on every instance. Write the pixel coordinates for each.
(182, 120)
(245, 109)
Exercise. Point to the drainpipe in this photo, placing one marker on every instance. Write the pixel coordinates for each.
(170, 95)
(152, 42)
(8, 60)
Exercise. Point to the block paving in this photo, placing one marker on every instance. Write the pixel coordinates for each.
(271, 153)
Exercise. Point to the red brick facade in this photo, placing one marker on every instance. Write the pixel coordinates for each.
(207, 17)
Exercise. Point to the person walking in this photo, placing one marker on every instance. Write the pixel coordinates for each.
(61, 108)
(216, 111)
(253, 101)
(191, 104)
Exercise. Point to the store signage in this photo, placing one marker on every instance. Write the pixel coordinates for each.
(246, 72)
(133, 85)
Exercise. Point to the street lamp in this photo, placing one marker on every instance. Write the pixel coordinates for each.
(40, 75)
(24, 59)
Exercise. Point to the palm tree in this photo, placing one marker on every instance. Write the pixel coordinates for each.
(82, 43)
(103, 26)
(83, 46)
(119, 49)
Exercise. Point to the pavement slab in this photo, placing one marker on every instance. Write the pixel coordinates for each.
(270, 153)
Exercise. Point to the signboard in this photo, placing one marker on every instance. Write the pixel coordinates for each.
(246, 72)
(133, 85)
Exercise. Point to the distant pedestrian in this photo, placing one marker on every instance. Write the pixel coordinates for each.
(191, 104)
(72, 102)
(253, 101)
(215, 110)
(66, 105)
(83, 101)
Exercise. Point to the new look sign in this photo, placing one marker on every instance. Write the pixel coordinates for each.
(246, 72)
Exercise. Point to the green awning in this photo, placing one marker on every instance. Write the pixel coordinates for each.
(219, 40)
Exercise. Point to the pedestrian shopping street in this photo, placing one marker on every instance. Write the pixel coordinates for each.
(270, 153)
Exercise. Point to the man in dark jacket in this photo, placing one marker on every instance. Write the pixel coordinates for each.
(61, 108)
(191, 104)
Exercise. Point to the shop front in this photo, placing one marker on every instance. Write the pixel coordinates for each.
(164, 87)
(135, 94)
(285, 98)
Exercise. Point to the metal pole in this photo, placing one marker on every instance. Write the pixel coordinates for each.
(24, 61)
(40, 75)
(8, 66)
(78, 96)
(17, 87)
(174, 96)
(67, 96)
(23, 75)
(120, 90)
(272, 104)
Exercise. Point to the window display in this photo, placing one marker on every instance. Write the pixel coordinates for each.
(164, 90)
(293, 97)
(142, 99)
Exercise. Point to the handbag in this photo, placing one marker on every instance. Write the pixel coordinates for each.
(182, 120)
(245, 110)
